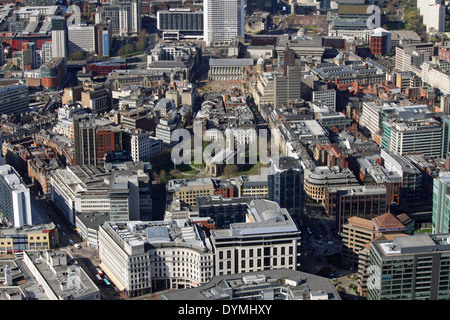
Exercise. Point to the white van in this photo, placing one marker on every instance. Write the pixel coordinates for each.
(71, 242)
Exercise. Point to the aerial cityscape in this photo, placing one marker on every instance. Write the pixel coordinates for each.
(225, 150)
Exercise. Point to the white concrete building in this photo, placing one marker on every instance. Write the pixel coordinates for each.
(405, 55)
(81, 38)
(433, 14)
(223, 20)
(59, 39)
(327, 97)
(125, 194)
(269, 238)
(422, 135)
(141, 257)
(436, 77)
(15, 201)
(130, 21)
(143, 146)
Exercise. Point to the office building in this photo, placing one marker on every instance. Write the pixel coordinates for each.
(14, 198)
(59, 38)
(256, 186)
(358, 232)
(445, 144)
(288, 86)
(285, 182)
(410, 268)
(88, 224)
(107, 140)
(279, 284)
(166, 127)
(59, 279)
(433, 14)
(141, 145)
(130, 20)
(109, 13)
(53, 74)
(187, 190)
(223, 21)
(85, 139)
(441, 206)
(81, 37)
(408, 56)
(142, 257)
(103, 39)
(37, 237)
(95, 97)
(365, 202)
(436, 76)
(268, 239)
(223, 211)
(421, 135)
(373, 114)
(124, 193)
(320, 178)
(180, 23)
(380, 42)
(410, 176)
(320, 92)
(14, 99)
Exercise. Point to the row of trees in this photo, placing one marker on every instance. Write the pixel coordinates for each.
(139, 46)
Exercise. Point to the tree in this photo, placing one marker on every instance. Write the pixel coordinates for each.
(162, 174)
(175, 173)
(126, 49)
(140, 44)
(141, 40)
(230, 170)
(77, 55)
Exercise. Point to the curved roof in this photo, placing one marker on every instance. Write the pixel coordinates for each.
(272, 215)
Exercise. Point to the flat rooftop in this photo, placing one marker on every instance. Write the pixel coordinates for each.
(302, 286)
(415, 244)
(66, 273)
(264, 217)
